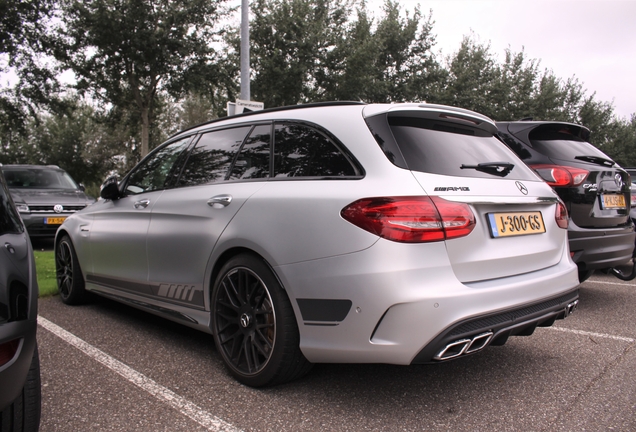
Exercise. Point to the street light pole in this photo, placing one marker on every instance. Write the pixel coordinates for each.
(245, 50)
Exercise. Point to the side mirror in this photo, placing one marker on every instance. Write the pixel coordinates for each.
(82, 187)
(110, 189)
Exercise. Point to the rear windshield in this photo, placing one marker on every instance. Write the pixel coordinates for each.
(444, 148)
(560, 144)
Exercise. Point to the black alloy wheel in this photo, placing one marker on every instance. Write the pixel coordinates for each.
(254, 325)
(70, 281)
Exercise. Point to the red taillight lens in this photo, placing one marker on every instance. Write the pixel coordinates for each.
(561, 215)
(633, 200)
(8, 350)
(411, 219)
(561, 176)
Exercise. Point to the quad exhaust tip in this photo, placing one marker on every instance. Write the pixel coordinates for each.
(476, 343)
(464, 346)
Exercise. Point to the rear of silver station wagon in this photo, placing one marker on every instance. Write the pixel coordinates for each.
(466, 246)
(339, 232)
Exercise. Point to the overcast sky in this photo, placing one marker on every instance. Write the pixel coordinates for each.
(594, 40)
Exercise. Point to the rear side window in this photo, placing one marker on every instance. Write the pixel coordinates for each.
(443, 148)
(253, 160)
(303, 151)
(211, 158)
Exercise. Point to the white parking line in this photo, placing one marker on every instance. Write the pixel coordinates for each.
(187, 408)
(632, 284)
(598, 335)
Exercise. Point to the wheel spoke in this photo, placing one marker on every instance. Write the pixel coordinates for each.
(231, 292)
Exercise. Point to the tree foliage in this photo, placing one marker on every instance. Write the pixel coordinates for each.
(124, 50)
(78, 139)
(24, 41)
(307, 51)
(146, 68)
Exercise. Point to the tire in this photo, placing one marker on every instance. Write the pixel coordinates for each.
(585, 275)
(254, 326)
(23, 415)
(70, 281)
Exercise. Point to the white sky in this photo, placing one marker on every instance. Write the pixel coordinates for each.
(594, 40)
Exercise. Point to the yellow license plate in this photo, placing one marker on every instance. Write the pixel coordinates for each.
(613, 201)
(54, 220)
(515, 224)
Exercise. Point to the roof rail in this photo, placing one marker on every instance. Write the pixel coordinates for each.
(268, 110)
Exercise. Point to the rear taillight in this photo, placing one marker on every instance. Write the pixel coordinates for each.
(8, 350)
(561, 176)
(561, 215)
(633, 200)
(411, 219)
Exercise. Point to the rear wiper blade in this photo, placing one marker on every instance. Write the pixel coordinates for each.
(500, 169)
(597, 160)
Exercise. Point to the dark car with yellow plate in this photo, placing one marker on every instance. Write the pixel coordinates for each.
(595, 189)
(45, 195)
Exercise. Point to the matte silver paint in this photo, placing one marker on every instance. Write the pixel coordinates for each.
(402, 295)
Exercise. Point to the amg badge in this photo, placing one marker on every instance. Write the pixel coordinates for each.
(452, 189)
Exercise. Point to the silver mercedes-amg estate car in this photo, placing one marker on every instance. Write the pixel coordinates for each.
(335, 232)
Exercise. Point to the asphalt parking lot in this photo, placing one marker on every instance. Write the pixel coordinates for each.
(107, 367)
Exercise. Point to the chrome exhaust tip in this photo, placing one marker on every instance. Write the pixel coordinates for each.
(464, 346)
(479, 342)
(453, 350)
(571, 308)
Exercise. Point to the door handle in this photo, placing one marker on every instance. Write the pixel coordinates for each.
(10, 248)
(220, 201)
(142, 204)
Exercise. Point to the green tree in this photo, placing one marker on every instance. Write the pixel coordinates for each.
(123, 50)
(23, 44)
(76, 139)
(391, 61)
(472, 78)
(290, 40)
(307, 51)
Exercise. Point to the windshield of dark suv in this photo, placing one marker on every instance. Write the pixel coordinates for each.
(450, 149)
(38, 178)
(561, 144)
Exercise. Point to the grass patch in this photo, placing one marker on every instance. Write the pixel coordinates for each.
(45, 267)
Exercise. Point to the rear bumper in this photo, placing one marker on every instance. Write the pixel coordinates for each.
(370, 309)
(475, 334)
(601, 248)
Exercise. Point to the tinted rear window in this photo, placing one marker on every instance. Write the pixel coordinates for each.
(442, 148)
(560, 144)
(302, 151)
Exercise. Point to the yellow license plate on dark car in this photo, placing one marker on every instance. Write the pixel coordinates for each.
(613, 201)
(515, 224)
(54, 220)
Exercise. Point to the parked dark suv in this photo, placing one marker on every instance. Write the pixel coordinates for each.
(594, 188)
(44, 195)
(19, 364)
